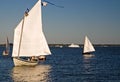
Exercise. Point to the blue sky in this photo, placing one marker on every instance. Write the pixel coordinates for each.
(98, 19)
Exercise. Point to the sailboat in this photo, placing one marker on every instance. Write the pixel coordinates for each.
(73, 46)
(7, 47)
(88, 47)
(29, 39)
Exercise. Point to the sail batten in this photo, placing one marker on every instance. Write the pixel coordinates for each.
(33, 41)
(88, 47)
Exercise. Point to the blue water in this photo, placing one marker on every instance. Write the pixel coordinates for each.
(66, 65)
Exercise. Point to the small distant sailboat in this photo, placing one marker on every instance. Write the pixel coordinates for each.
(7, 47)
(73, 45)
(88, 47)
(29, 39)
(61, 46)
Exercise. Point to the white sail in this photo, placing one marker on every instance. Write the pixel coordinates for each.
(33, 42)
(7, 44)
(88, 47)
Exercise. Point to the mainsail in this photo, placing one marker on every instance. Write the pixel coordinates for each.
(88, 47)
(32, 41)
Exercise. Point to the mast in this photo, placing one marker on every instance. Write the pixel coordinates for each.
(21, 34)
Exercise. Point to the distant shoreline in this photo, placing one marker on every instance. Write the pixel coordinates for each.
(65, 45)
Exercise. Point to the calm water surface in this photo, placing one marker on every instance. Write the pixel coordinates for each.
(66, 65)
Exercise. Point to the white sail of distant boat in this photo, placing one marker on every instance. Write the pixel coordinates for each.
(29, 39)
(88, 47)
(7, 47)
(73, 45)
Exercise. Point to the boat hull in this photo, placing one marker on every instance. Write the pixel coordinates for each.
(22, 62)
(5, 53)
(42, 57)
(87, 52)
(73, 46)
(84, 53)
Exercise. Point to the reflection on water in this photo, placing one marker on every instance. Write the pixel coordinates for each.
(88, 67)
(38, 73)
(87, 59)
(88, 56)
